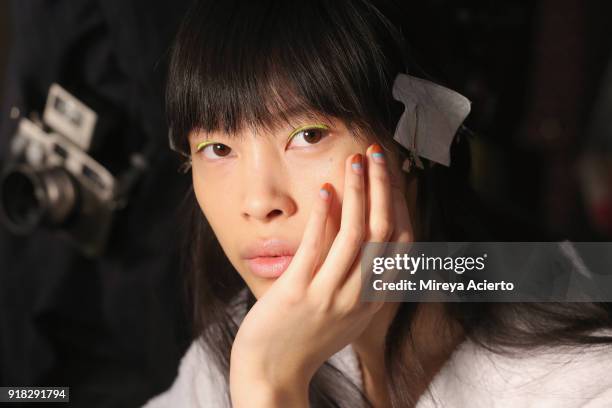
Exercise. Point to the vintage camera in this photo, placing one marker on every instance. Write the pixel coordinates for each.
(51, 181)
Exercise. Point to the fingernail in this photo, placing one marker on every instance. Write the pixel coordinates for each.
(325, 190)
(377, 153)
(356, 164)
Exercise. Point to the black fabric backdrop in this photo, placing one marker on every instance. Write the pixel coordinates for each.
(113, 328)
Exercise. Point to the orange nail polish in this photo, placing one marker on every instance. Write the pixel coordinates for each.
(377, 153)
(325, 191)
(356, 163)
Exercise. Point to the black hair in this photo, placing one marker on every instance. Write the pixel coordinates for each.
(250, 63)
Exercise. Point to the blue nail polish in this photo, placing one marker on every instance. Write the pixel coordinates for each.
(356, 163)
(378, 157)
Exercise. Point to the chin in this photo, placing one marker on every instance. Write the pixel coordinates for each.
(259, 286)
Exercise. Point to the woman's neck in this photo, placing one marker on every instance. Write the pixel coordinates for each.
(434, 338)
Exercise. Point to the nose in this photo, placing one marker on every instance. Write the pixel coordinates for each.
(266, 193)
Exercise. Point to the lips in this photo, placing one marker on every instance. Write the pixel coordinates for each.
(269, 266)
(269, 258)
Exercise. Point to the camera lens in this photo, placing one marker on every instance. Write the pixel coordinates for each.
(29, 198)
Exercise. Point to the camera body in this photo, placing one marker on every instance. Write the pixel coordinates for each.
(52, 181)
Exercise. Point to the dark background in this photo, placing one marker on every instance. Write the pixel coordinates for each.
(114, 328)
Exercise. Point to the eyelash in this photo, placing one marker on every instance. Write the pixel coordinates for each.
(202, 146)
(321, 128)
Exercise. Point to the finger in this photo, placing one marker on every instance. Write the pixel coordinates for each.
(400, 242)
(361, 280)
(306, 258)
(362, 274)
(381, 212)
(390, 224)
(379, 220)
(347, 243)
(362, 277)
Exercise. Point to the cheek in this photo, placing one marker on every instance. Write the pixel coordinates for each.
(198, 189)
(207, 195)
(330, 170)
(218, 212)
(337, 181)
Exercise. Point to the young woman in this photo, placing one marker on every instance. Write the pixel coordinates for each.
(286, 114)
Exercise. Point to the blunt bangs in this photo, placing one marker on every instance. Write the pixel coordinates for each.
(239, 64)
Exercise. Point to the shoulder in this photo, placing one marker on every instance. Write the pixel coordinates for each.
(556, 377)
(198, 383)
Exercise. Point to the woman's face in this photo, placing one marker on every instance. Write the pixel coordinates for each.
(256, 191)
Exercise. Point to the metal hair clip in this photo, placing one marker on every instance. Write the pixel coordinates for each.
(430, 121)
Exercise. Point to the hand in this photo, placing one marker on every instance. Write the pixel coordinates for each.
(312, 311)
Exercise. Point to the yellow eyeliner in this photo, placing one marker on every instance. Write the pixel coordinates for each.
(202, 145)
(321, 126)
(306, 127)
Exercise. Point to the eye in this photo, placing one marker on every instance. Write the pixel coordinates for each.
(212, 150)
(309, 135)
